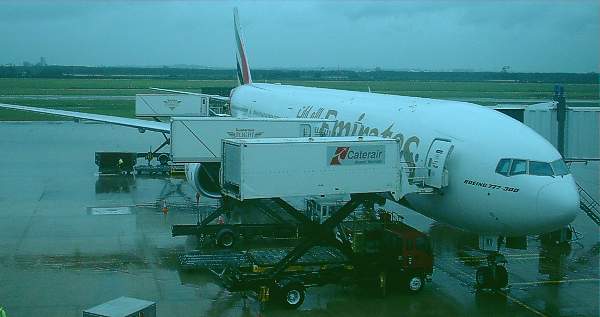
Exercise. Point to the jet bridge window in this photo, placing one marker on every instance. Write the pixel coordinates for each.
(518, 167)
(540, 168)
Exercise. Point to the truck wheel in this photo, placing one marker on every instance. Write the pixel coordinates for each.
(163, 159)
(292, 295)
(414, 283)
(225, 238)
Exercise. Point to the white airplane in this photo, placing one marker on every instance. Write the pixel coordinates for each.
(504, 178)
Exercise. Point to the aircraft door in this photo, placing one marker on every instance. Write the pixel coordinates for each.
(435, 163)
(204, 107)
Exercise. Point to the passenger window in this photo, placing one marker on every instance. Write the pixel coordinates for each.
(518, 167)
(540, 168)
(503, 167)
(560, 168)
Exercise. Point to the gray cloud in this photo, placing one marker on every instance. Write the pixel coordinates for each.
(441, 35)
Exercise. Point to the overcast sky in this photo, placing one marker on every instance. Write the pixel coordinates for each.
(539, 36)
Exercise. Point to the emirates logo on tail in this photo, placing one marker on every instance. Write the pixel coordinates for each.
(340, 154)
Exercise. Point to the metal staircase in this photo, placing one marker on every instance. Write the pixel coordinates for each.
(589, 205)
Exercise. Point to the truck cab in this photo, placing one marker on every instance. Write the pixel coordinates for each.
(391, 251)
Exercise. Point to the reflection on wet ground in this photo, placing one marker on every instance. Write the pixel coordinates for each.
(58, 258)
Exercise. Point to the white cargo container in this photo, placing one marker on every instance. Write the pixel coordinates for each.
(281, 167)
(195, 140)
(171, 105)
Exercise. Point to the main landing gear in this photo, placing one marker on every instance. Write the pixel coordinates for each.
(494, 275)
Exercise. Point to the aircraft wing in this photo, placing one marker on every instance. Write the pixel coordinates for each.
(128, 122)
(217, 97)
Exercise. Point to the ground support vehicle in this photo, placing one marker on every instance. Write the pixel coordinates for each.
(115, 162)
(384, 253)
(126, 163)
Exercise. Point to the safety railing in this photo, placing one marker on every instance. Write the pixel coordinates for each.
(417, 176)
(589, 205)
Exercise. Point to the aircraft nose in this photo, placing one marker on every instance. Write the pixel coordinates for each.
(558, 203)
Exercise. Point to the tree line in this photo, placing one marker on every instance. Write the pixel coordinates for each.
(282, 74)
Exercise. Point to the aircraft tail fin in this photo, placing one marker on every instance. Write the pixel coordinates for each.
(243, 69)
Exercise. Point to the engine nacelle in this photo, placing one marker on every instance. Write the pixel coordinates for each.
(204, 177)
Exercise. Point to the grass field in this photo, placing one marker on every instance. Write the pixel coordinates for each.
(18, 89)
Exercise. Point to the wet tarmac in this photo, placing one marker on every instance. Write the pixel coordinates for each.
(70, 239)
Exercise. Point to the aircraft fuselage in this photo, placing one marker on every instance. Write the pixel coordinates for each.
(477, 198)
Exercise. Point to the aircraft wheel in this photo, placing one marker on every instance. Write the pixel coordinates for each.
(292, 295)
(414, 283)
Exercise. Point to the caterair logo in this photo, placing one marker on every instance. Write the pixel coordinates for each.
(339, 155)
(172, 103)
(354, 155)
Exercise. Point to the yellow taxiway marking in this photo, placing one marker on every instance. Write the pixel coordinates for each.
(533, 310)
(523, 256)
(529, 308)
(505, 255)
(558, 281)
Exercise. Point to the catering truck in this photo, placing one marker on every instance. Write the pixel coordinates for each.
(381, 254)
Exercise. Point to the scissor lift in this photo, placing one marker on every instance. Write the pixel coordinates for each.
(380, 252)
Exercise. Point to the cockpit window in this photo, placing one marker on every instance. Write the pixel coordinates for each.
(503, 167)
(540, 168)
(560, 168)
(510, 167)
(518, 167)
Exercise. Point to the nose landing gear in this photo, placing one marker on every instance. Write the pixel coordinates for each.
(494, 275)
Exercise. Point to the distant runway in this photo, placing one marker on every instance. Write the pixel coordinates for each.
(525, 101)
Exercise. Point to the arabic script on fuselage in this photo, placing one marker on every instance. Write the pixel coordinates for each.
(359, 127)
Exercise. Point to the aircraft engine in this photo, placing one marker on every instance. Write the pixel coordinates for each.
(204, 177)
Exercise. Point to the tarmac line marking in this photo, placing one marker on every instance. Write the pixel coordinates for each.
(483, 257)
(509, 259)
(100, 211)
(558, 282)
(531, 309)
